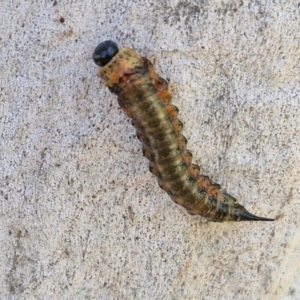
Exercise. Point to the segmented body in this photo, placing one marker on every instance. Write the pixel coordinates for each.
(144, 97)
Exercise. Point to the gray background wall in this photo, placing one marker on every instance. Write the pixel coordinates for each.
(81, 217)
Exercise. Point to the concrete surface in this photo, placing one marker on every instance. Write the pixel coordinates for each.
(82, 218)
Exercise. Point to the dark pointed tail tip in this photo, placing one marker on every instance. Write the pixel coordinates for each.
(244, 215)
(251, 217)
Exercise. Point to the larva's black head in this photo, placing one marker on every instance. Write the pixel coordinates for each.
(104, 52)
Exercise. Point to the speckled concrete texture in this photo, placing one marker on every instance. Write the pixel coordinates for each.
(81, 217)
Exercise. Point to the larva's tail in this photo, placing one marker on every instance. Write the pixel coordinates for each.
(228, 209)
(241, 214)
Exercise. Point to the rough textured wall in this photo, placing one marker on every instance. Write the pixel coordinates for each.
(82, 218)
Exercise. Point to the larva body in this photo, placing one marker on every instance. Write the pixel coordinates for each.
(144, 97)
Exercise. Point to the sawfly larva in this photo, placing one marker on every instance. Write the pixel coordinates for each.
(144, 97)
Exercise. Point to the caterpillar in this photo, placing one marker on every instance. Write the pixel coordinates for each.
(143, 96)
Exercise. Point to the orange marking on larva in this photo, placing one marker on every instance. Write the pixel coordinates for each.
(144, 96)
(172, 111)
(203, 181)
(128, 111)
(181, 141)
(212, 191)
(160, 84)
(143, 138)
(165, 96)
(148, 64)
(125, 107)
(147, 153)
(162, 89)
(177, 126)
(193, 170)
(186, 156)
(153, 170)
